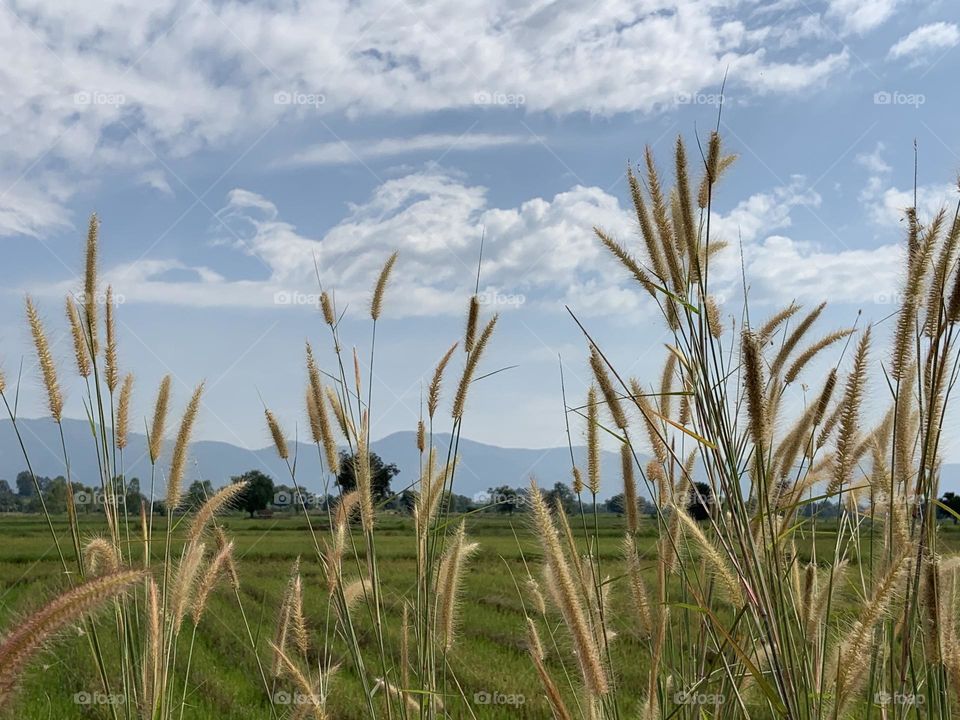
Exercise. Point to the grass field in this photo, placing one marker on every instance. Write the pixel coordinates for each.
(489, 658)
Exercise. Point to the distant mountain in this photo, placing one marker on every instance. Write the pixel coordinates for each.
(481, 466)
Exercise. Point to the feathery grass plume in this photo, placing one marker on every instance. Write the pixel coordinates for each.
(714, 321)
(112, 372)
(405, 646)
(433, 393)
(312, 418)
(152, 650)
(298, 623)
(326, 306)
(731, 587)
(918, 262)
(767, 330)
(159, 420)
(619, 252)
(276, 434)
(181, 448)
(473, 315)
(557, 705)
(123, 412)
(661, 220)
(317, 408)
(577, 480)
(853, 656)
(536, 595)
(284, 665)
(353, 593)
(791, 341)
(938, 282)
(32, 633)
(754, 383)
(845, 456)
(48, 368)
(629, 486)
(80, 351)
(449, 581)
(650, 240)
(593, 441)
(100, 557)
(470, 367)
(642, 402)
(284, 619)
(807, 355)
(412, 706)
(215, 570)
(376, 304)
(421, 436)
(716, 165)
(931, 600)
(587, 653)
(610, 395)
(799, 435)
(219, 501)
(638, 588)
(343, 420)
(185, 582)
(90, 282)
(686, 203)
(666, 384)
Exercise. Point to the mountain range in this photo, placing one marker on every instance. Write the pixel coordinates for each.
(481, 466)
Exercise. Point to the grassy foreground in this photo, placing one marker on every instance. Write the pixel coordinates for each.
(491, 659)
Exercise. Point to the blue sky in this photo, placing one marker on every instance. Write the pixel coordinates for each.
(226, 145)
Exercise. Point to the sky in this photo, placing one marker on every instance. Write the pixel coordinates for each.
(236, 150)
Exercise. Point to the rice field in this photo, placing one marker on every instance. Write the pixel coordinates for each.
(490, 660)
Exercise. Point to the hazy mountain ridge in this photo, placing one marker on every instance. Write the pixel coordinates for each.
(481, 465)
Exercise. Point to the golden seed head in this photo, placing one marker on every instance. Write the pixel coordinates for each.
(181, 448)
(123, 411)
(112, 373)
(79, 339)
(376, 304)
(45, 360)
(159, 419)
(279, 441)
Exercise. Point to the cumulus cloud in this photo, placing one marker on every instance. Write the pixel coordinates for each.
(94, 88)
(542, 250)
(925, 40)
(862, 16)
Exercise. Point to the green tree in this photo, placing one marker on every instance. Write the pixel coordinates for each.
(701, 499)
(197, 494)
(259, 491)
(564, 495)
(952, 501)
(380, 475)
(504, 499)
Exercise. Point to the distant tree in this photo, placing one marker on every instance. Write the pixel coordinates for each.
(55, 495)
(380, 475)
(564, 495)
(952, 501)
(701, 498)
(617, 504)
(197, 494)
(25, 485)
(8, 500)
(259, 491)
(504, 499)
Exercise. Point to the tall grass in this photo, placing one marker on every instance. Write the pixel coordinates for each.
(728, 614)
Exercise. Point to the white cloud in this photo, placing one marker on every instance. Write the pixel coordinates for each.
(542, 249)
(343, 152)
(862, 16)
(926, 39)
(93, 89)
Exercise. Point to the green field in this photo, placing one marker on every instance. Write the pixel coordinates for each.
(490, 656)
